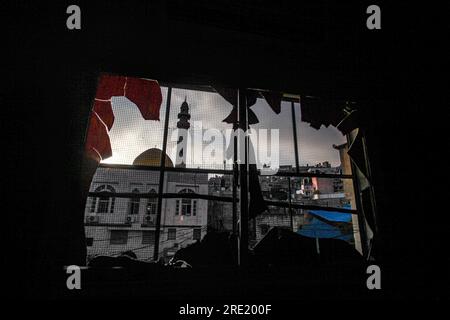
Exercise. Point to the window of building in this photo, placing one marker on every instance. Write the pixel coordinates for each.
(118, 237)
(104, 203)
(93, 204)
(188, 206)
(148, 237)
(194, 207)
(177, 207)
(197, 234)
(152, 204)
(171, 234)
(134, 204)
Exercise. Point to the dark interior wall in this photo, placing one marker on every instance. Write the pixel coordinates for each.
(321, 49)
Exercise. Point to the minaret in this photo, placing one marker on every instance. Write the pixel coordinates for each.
(183, 125)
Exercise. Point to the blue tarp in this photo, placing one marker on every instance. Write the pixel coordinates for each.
(316, 228)
(333, 215)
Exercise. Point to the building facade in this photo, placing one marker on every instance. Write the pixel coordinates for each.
(117, 225)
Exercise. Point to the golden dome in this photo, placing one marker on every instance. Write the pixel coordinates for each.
(151, 157)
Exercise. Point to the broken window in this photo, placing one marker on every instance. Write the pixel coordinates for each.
(178, 153)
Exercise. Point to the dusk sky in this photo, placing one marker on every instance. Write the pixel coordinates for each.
(131, 134)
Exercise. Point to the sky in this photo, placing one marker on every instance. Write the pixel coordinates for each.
(131, 135)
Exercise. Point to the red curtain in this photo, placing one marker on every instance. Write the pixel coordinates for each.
(104, 111)
(98, 146)
(146, 94)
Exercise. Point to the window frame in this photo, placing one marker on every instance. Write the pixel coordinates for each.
(102, 200)
(171, 234)
(134, 204)
(186, 206)
(234, 172)
(152, 204)
(151, 237)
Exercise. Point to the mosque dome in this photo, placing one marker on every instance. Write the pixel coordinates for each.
(151, 157)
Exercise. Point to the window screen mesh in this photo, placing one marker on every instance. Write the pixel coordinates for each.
(123, 218)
